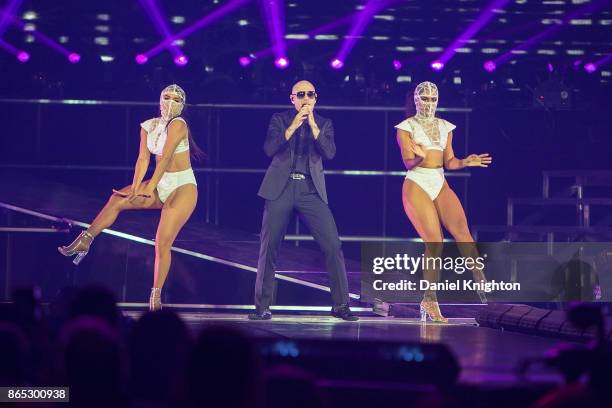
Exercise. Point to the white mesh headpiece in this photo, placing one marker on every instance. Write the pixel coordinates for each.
(170, 108)
(426, 109)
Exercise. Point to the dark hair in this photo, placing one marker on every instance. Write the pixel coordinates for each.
(194, 150)
(409, 107)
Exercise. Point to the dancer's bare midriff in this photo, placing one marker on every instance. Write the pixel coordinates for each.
(433, 159)
(179, 162)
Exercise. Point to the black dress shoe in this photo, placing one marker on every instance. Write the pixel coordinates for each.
(343, 312)
(263, 315)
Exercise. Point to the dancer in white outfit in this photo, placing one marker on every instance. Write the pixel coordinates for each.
(426, 146)
(171, 188)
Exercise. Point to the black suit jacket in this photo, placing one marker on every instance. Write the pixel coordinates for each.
(281, 151)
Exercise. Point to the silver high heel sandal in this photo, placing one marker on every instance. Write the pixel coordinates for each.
(155, 300)
(78, 247)
(432, 309)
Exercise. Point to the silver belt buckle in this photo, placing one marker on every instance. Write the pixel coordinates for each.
(297, 176)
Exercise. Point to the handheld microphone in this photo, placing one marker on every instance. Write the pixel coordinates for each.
(305, 104)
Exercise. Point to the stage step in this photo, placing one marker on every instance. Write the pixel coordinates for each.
(561, 201)
(583, 206)
(552, 231)
(543, 229)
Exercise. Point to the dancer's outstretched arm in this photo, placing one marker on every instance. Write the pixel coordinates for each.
(473, 160)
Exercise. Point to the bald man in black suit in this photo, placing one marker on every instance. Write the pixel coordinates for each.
(298, 141)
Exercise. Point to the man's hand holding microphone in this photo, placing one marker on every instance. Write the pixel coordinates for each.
(305, 113)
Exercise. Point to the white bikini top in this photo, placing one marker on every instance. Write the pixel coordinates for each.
(437, 141)
(157, 133)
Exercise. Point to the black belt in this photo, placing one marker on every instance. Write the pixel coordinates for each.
(298, 176)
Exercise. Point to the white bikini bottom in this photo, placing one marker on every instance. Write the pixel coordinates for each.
(171, 181)
(430, 180)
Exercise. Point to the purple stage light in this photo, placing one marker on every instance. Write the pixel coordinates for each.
(208, 19)
(336, 63)
(7, 14)
(281, 62)
(539, 37)
(437, 65)
(275, 23)
(181, 60)
(141, 59)
(73, 57)
(153, 10)
(590, 67)
(485, 16)
(244, 61)
(20, 55)
(489, 66)
(397, 64)
(603, 61)
(550, 67)
(9, 18)
(359, 25)
(319, 30)
(23, 56)
(577, 64)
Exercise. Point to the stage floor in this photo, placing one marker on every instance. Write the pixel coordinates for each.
(487, 356)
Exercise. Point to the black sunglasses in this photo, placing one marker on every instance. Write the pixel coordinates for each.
(302, 94)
